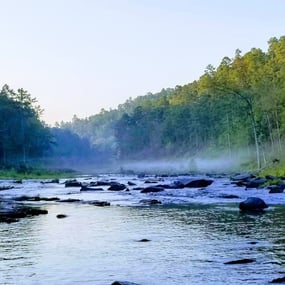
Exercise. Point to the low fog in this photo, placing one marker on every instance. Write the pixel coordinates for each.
(197, 164)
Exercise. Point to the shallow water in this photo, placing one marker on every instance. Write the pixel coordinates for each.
(189, 241)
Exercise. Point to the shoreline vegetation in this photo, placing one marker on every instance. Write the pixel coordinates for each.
(24, 172)
(229, 120)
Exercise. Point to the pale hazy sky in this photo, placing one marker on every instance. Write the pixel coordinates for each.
(78, 56)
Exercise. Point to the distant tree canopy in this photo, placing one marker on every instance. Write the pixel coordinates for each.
(22, 135)
(239, 104)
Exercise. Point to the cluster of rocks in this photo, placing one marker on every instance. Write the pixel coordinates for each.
(56, 199)
(153, 185)
(116, 186)
(249, 181)
(13, 214)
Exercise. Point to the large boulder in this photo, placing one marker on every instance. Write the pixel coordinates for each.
(253, 204)
(255, 182)
(276, 189)
(193, 182)
(72, 183)
(115, 186)
(242, 177)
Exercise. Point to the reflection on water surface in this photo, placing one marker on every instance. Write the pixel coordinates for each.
(188, 245)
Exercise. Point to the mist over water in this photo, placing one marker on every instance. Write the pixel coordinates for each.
(221, 164)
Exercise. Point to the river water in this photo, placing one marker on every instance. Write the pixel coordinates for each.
(191, 236)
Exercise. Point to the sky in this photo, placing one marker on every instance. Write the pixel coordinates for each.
(80, 56)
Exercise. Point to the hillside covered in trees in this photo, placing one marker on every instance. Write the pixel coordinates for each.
(235, 110)
(236, 107)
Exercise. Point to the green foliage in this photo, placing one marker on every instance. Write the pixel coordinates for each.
(30, 173)
(237, 105)
(22, 135)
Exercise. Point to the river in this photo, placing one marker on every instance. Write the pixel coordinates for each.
(191, 236)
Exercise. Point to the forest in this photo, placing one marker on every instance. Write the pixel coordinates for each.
(26, 141)
(234, 109)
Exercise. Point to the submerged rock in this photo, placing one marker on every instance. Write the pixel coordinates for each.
(229, 196)
(241, 261)
(174, 185)
(88, 188)
(56, 181)
(36, 198)
(124, 283)
(70, 200)
(150, 201)
(253, 204)
(100, 183)
(61, 216)
(144, 240)
(6, 187)
(98, 203)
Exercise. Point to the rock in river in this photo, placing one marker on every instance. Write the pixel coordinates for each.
(115, 186)
(152, 189)
(72, 183)
(12, 214)
(276, 189)
(240, 261)
(278, 280)
(194, 183)
(253, 204)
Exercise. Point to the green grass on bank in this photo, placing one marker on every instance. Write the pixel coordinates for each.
(33, 173)
(277, 170)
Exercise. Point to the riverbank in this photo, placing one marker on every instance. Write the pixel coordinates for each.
(24, 172)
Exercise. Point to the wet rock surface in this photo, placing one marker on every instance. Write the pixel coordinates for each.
(152, 189)
(278, 280)
(253, 204)
(14, 213)
(240, 261)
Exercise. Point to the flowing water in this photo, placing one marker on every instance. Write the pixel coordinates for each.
(191, 236)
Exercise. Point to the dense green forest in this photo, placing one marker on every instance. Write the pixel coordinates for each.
(26, 141)
(235, 109)
(23, 135)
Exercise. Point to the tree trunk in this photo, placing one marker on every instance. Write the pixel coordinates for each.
(278, 132)
(270, 132)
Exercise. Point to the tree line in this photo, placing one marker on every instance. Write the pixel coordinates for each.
(25, 140)
(238, 105)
